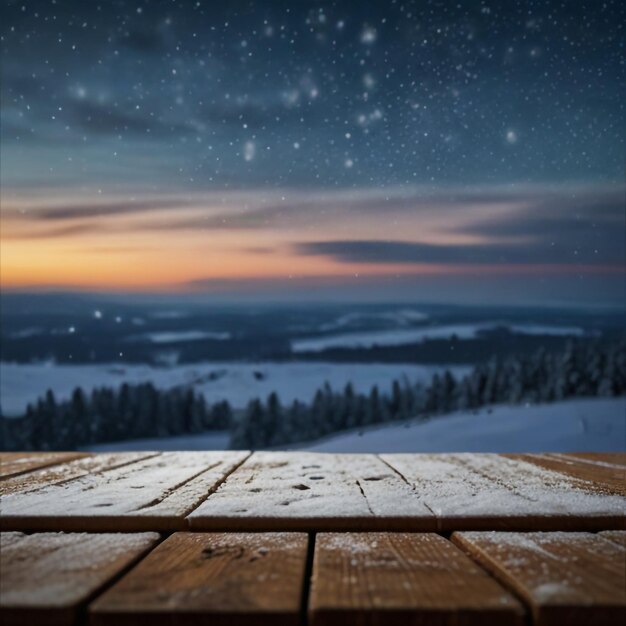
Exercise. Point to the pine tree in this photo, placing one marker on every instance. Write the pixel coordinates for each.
(374, 410)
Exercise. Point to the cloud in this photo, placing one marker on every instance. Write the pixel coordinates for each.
(545, 215)
(229, 220)
(52, 233)
(516, 205)
(526, 225)
(416, 253)
(99, 209)
(365, 200)
(262, 250)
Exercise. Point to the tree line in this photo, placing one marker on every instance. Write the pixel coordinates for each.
(107, 415)
(141, 411)
(582, 369)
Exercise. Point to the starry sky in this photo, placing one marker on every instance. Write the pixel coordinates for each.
(382, 150)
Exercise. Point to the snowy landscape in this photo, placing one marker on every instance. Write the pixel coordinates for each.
(591, 425)
(238, 383)
(354, 378)
(334, 225)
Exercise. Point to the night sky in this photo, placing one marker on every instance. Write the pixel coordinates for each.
(457, 151)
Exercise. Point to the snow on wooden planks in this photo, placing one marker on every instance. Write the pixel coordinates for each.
(605, 475)
(493, 492)
(151, 494)
(47, 578)
(618, 536)
(403, 578)
(316, 492)
(309, 491)
(206, 578)
(14, 463)
(64, 472)
(566, 578)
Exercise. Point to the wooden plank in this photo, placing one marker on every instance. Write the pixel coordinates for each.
(14, 463)
(610, 458)
(604, 476)
(206, 578)
(493, 492)
(566, 578)
(70, 470)
(151, 494)
(309, 491)
(403, 578)
(47, 578)
(617, 536)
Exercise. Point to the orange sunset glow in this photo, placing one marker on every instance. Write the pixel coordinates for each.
(179, 242)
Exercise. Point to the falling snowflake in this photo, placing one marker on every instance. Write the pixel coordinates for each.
(369, 35)
(369, 81)
(249, 150)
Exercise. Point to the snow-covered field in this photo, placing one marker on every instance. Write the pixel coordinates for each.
(183, 335)
(415, 335)
(236, 382)
(590, 424)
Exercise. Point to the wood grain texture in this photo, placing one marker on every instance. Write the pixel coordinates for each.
(566, 578)
(495, 492)
(308, 491)
(47, 578)
(617, 536)
(611, 458)
(602, 476)
(315, 492)
(207, 578)
(401, 579)
(151, 494)
(64, 472)
(14, 463)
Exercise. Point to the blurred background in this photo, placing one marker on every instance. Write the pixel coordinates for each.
(382, 226)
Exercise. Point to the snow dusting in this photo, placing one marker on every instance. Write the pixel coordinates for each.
(47, 570)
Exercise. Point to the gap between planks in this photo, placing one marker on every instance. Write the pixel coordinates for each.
(573, 578)
(375, 569)
(49, 578)
(217, 578)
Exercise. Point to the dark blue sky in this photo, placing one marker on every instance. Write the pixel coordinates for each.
(302, 141)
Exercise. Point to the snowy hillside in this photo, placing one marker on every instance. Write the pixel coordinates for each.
(592, 425)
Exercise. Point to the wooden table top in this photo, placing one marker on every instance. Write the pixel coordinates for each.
(288, 537)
